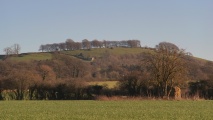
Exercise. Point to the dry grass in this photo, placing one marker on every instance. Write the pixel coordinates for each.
(129, 98)
(121, 98)
(108, 84)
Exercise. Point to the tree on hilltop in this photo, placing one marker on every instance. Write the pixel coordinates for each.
(86, 44)
(13, 50)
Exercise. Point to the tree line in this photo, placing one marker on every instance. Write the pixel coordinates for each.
(151, 74)
(48, 79)
(70, 44)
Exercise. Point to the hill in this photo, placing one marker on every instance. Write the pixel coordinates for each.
(80, 74)
(198, 66)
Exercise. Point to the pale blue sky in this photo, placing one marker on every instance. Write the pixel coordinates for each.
(186, 23)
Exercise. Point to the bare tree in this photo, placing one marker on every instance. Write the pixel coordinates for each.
(16, 48)
(105, 44)
(96, 43)
(8, 51)
(42, 48)
(86, 44)
(54, 47)
(70, 44)
(167, 68)
(78, 45)
(62, 46)
(168, 46)
(48, 47)
(133, 43)
(100, 44)
(46, 72)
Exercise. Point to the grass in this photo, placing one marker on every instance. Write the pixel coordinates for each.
(98, 52)
(106, 110)
(108, 84)
(95, 52)
(31, 56)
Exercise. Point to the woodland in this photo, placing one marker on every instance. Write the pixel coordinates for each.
(64, 71)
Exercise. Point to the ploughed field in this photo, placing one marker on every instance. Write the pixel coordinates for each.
(106, 110)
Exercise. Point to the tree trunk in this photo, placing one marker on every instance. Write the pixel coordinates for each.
(165, 89)
(170, 90)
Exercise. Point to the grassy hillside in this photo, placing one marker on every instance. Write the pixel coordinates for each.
(29, 56)
(96, 52)
(103, 71)
(33, 56)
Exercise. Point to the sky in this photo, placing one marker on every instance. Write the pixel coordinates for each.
(30, 23)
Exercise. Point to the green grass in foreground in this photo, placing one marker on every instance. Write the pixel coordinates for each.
(106, 110)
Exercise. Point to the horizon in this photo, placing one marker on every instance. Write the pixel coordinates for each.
(187, 24)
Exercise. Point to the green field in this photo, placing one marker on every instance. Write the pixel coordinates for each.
(106, 110)
(31, 56)
(96, 52)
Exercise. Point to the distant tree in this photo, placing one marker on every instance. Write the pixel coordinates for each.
(70, 44)
(100, 44)
(54, 47)
(105, 43)
(13, 50)
(68, 67)
(48, 47)
(21, 81)
(46, 72)
(17, 77)
(16, 48)
(75, 68)
(42, 48)
(167, 68)
(62, 46)
(4, 69)
(86, 44)
(195, 71)
(208, 67)
(167, 45)
(133, 43)
(78, 45)
(96, 43)
(8, 51)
